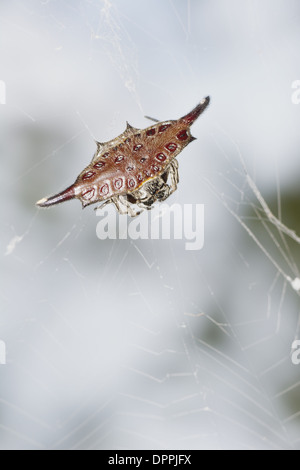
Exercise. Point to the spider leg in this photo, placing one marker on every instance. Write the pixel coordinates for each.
(124, 206)
(108, 201)
(163, 193)
(174, 175)
(145, 205)
(144, 198)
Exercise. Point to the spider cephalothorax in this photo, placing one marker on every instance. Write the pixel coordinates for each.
(138, 167)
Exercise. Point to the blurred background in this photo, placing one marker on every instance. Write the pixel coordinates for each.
(122, 344)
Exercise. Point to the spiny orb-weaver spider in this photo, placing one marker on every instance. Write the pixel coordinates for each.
(139, 167)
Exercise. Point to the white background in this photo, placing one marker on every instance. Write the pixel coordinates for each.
(141, 344)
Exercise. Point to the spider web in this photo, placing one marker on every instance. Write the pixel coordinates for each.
(116, 344)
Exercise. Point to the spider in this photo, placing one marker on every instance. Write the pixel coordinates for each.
(137, 168)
